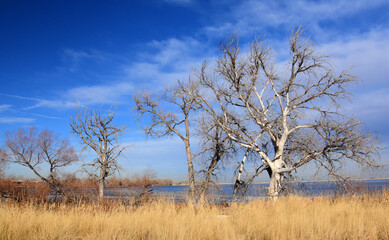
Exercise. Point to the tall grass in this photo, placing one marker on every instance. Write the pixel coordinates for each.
(350, 217)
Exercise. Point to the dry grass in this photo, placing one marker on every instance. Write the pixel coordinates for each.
(293, 217)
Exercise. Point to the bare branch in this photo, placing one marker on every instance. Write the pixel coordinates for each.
(28, 148)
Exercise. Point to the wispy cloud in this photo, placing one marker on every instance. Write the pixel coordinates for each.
(88, 95)
(74, 58)
(173, 49)
(114, 93)
(10, 120)
(45, 116)
(57, 104)
(21, 97)
(101, 94)
(5, 107)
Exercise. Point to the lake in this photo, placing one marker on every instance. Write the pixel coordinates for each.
(258, 190)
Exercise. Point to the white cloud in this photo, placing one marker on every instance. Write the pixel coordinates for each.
(367, 54)
(101, 94)
(10, 120)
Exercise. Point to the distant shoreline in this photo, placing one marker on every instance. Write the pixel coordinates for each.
(305, 181)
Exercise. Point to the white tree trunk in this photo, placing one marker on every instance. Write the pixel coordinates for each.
(275, 186)
(102, 182)
(275, 179)
(191, 177)
(101, 189)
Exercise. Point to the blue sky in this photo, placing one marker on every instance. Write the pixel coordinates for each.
(53, 53)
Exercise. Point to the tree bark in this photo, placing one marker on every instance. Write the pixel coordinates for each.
(238, 181)
(275, 186)
(50, 180)
(191, 177)
(210, 170)
(101, 189)
(102, 183)
(275, 179)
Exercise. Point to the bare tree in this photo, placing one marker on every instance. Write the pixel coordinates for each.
(289, 119)
(98, 132)
(169, 122)
(148, 177)
(28, 148)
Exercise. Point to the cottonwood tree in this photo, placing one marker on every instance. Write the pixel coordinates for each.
(98, 132)
(291, 117)
(174, 121)
(28, 147)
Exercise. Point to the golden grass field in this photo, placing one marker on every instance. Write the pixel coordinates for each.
(350, 217)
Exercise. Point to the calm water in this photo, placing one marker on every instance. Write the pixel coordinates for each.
(224, 193)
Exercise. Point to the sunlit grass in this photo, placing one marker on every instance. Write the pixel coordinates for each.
(294, 217)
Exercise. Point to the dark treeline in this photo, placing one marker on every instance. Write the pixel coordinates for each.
(72, 181)
(116, 182)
